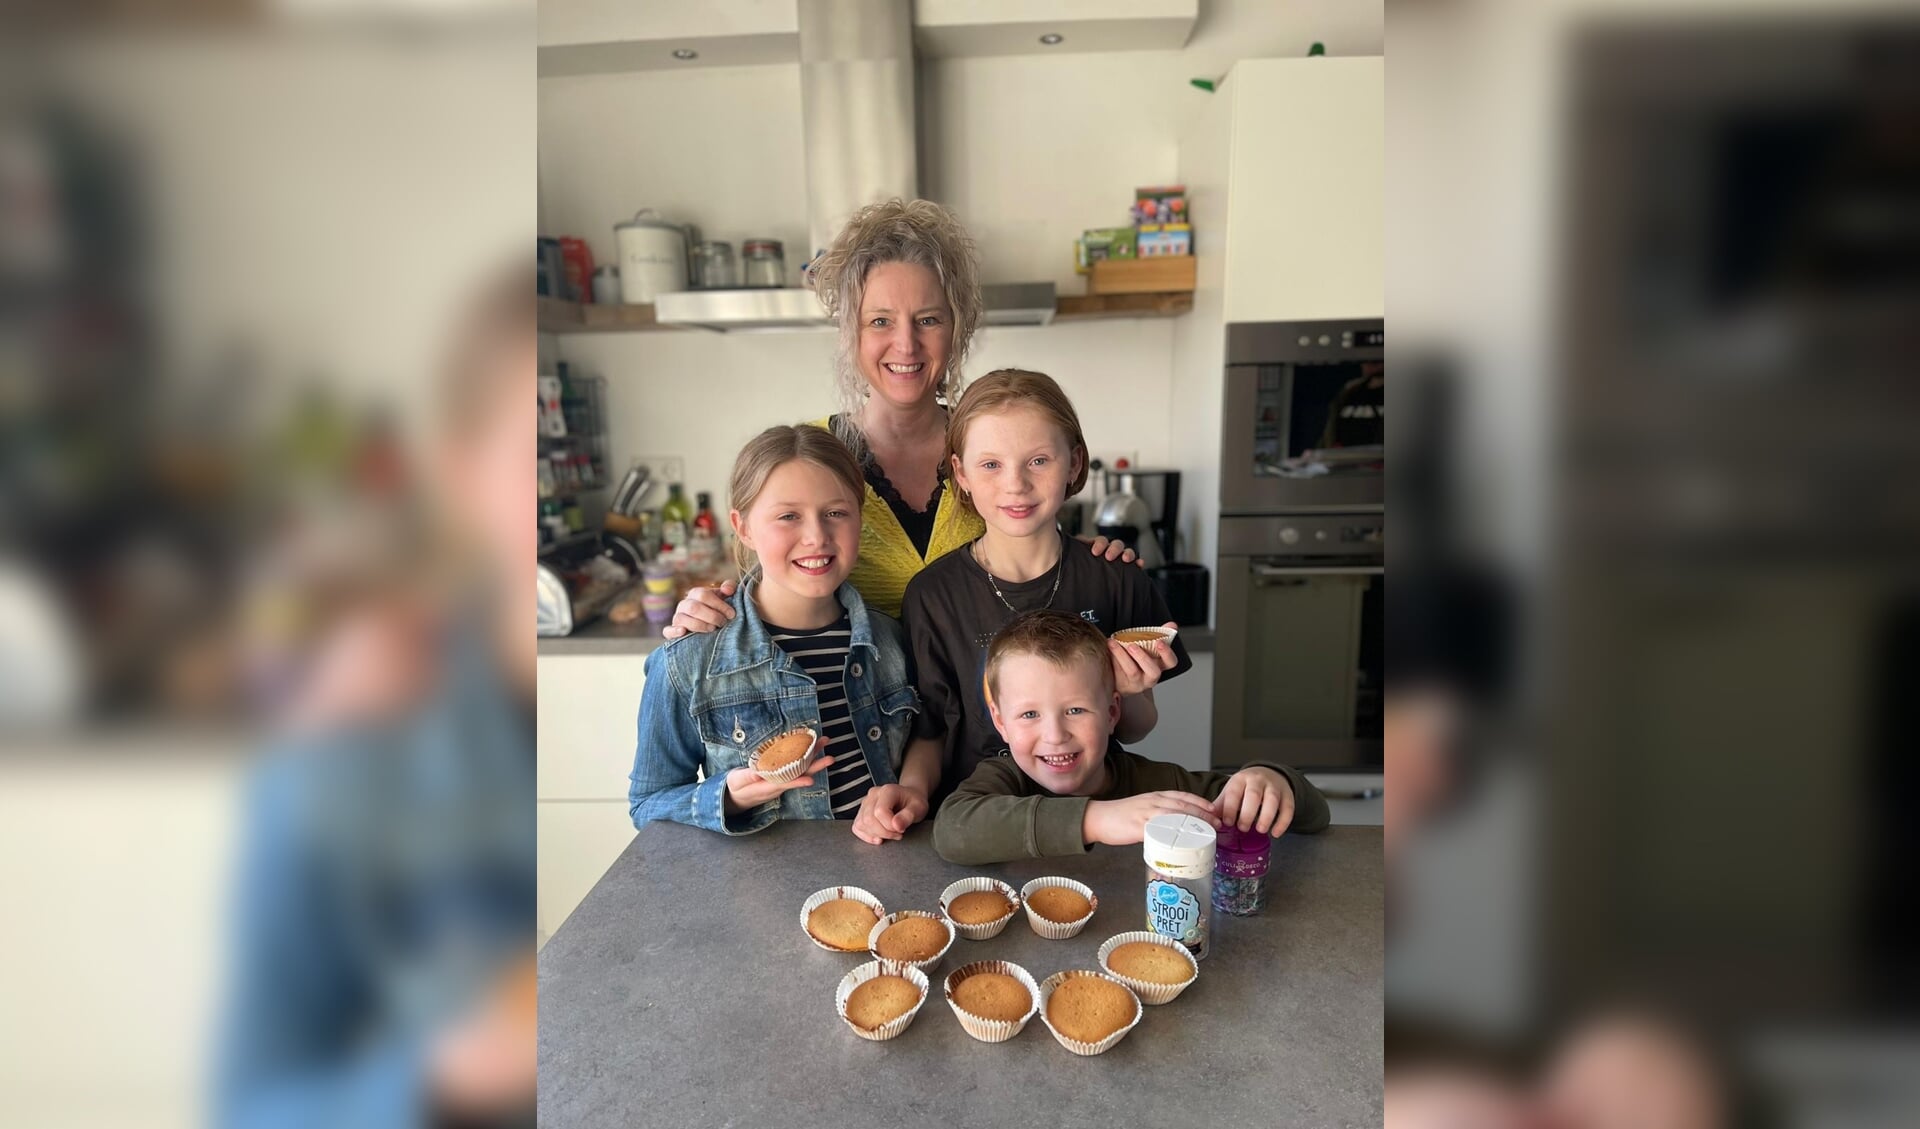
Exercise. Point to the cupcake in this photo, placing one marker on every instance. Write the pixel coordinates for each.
(1156, 968)
(1058, 908)
(841, 918)
(785, 757)
(1088, 1012)
(910, 938)
(979, 907)
(1144, 636)
(879, 1003)
(992, 999)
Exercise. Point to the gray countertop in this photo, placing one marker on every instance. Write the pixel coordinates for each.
(682, 991)
(601, 637)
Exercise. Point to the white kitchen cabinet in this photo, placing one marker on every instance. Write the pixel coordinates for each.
(578, 841)
(1297, 187)
(1184, 734)
(589, 705)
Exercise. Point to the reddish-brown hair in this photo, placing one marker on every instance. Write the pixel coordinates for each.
(1062, 639)
(1010, 388)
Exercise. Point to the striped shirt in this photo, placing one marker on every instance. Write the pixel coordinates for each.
(822, 653)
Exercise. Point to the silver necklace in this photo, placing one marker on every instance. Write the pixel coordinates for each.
(1059, 570)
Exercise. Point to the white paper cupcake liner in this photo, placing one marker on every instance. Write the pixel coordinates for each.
(928, 965)
(791, 772)
(1148, 991)
(1075, 1045)
(1160, 635)
(1054, 930)
(971, 885)
(892, 1027)
(822, 897)
(991, 1030)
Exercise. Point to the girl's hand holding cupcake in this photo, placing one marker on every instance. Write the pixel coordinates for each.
(1137, 667)
(746, 789)
(887, 811)
(1256, 799)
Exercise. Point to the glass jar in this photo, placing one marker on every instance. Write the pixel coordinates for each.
(1179, 855)
(1240, 871)
(715, 262)
(765, 263)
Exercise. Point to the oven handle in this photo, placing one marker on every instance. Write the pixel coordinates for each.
(1278, 572)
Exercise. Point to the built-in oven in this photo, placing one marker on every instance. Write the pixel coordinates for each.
(1305, 416)
(1299, 663)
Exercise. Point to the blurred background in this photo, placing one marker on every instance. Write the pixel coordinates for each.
(237, 242)
(1658, 267)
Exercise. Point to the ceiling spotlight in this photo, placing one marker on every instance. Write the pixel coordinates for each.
(685, 53)
(1052, 39)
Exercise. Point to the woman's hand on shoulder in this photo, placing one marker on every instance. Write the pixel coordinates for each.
(1113, 550)
(704, 610)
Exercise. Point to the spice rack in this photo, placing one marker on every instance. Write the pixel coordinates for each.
(576, 478)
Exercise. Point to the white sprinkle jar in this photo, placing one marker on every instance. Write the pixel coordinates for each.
(1179, 854)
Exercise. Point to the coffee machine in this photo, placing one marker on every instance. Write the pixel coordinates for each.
(1149, 528)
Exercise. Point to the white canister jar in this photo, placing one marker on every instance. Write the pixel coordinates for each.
(653, 257)
(1179, 853)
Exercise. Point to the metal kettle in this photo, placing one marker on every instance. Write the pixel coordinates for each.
(1125, 516)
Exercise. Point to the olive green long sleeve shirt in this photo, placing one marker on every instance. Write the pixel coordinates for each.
(999, 813)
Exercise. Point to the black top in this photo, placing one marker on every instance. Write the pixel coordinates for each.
(822, 653)
(952, 614)
(918, 524)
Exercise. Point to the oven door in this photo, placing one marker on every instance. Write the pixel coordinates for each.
(1296, 387)
(1299, 671)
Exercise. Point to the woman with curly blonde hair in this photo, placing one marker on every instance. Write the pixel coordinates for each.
(902, 281)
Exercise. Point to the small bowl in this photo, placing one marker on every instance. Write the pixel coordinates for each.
(928, 965)
(792, 771)
(1149, 991)
(1145, 636)
(821, 897)
(1055, 930)
(987, 929)
(892, 1027)
(991, 1030)
(1076, 1046)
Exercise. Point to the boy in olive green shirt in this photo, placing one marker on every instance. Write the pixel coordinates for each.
(1068, 783)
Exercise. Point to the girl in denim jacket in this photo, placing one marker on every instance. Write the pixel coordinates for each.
(802, 651)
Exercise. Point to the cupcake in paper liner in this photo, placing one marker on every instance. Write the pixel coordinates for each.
(986, 999)
(1155, 976)
(969, 917)
(787, 757)
(874, 1001)
(1144, 636)
(921, 940)
(1072, 897)
(1088, 1012)
(840, 928)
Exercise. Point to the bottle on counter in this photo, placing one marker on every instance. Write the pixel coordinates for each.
(704, 537)
(676, 519)
(1179, 853)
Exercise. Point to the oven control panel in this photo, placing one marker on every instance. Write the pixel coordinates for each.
(1311, 535)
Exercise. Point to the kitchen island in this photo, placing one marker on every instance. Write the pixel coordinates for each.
(683, 991)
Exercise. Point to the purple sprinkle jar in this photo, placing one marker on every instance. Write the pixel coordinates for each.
(1240, 871)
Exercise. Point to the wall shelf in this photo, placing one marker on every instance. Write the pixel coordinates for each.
(571, 317)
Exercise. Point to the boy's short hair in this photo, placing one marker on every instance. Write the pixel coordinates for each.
(1058, 637)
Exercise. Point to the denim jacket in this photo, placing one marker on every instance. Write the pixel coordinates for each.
(712, 698)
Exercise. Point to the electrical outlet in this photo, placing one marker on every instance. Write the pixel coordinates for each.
(664, 468)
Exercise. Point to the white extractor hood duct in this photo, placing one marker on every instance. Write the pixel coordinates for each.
(857, 114)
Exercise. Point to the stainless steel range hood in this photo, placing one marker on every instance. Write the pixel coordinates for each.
(856, 102)
(765, 311)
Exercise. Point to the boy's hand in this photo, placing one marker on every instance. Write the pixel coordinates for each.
(746, 790)
(887, 811)
(1137, 669)
(1256, 799)
(1119, 823)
